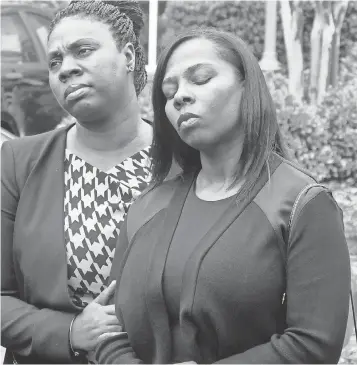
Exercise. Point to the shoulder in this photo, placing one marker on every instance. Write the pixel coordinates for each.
(291, 174)
(298, 189)
(284, 184)
(277, 197)
(27, 146)
(21, 154)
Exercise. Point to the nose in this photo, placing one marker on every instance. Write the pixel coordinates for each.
(68, 69)
(183, 97)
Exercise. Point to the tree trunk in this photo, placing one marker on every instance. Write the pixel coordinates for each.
(334, 59)
(327, 34)
(293, 21)
(339, 9)
(315, 52)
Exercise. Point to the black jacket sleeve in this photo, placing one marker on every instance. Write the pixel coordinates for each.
(25, 329)
(318, 284)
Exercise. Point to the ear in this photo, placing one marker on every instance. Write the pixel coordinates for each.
(129, 52)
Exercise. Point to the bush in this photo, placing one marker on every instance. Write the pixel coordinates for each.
(246, 19)
(347, 200)
(349, 65)
(323, 138)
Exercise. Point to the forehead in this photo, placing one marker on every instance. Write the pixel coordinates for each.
(70, 29)
(194, 51)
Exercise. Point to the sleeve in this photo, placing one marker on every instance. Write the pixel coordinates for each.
(117, 349)
(318, 284)
(25, 329)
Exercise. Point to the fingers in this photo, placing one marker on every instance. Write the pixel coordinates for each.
(106, 294)
(106, 335)
(113, 328)
(111, 321)
(109, 309)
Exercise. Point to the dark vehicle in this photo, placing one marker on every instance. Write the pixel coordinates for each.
(27, 104)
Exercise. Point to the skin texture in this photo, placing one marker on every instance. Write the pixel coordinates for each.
(206, 85)
(83, 51)
(109, 127)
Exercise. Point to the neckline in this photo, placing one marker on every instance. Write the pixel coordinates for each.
(73, 124)
(112, 169)
(193, 193)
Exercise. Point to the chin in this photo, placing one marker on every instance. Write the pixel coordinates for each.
(197, 143)
(84, 112)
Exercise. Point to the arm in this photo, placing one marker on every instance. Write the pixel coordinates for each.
(318, 283)
(117, 349)
(25, 329)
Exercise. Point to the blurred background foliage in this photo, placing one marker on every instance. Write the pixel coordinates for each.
(247, 20)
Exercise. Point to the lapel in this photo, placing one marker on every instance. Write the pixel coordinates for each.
(154, 296)
(43, 200)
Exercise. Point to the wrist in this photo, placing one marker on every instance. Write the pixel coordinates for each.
(76, 352)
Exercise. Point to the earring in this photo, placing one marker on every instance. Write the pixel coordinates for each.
(131, 68)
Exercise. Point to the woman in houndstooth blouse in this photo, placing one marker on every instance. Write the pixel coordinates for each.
(65, 193)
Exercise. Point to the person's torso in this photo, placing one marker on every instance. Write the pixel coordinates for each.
(233, 277)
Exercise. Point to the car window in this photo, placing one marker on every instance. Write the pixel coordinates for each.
(16, 44)
(40, 25)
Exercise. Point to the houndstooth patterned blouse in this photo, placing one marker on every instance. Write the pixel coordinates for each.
(95, 206)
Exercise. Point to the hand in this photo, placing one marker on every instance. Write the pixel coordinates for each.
(97, 322)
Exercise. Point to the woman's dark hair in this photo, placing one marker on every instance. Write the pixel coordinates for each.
(257, 114)
(125, 19)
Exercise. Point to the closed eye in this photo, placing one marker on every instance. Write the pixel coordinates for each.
(169, 96)
(54, 63)
(84, 51)
(201, 81)
(169, 91)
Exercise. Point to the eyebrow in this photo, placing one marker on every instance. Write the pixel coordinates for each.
(72, 46)
(190, 70)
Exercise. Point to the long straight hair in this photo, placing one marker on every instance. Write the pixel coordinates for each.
(257, 115)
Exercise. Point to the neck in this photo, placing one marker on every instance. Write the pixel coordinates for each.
(219, 167)
(112, 133)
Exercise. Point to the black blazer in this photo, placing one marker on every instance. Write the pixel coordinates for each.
(36, 310)
(231, 303)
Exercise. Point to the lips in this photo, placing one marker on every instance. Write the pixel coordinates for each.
(72, 88)
(184, 117)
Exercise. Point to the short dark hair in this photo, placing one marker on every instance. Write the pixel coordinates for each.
(257, 113)
(125, 19)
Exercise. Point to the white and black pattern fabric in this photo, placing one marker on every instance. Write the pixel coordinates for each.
(95, 206)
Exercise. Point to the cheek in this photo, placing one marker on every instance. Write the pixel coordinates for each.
(234, 102)
(220, 96)
(109, 72)
(116, 69)
(225, 101)
(55, 86)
